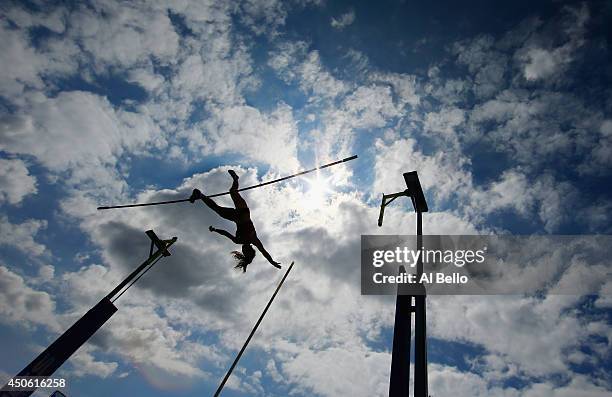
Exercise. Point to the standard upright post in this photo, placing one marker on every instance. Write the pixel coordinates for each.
(72, 339)
(419, 233)
(47, 362)
(420, 339)
(400, 359)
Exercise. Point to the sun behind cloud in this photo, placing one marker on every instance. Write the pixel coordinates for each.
(318, 191)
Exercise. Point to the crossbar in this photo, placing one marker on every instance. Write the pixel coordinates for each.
(225, 193)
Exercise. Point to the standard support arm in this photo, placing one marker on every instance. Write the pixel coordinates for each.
(382, 211)
(386, 200)
(162, 250)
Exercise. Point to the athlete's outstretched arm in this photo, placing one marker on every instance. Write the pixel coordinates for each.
(265, 253)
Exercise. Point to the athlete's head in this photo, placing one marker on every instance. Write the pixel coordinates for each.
(245, 257)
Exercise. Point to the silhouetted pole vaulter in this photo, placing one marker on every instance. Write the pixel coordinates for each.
(400, 358)
(229, 371)
(69, 342)
(245, 230)
(240, 190)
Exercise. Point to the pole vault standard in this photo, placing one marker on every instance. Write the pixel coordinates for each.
(229, 371)
(400, 357)
(59, 351)
(240, 190)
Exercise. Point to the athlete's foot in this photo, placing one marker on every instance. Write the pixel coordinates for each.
(195, 195)
(233, 174)
(210, 228)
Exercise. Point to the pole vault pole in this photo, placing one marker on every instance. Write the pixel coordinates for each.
(229, 371)
(240, 190)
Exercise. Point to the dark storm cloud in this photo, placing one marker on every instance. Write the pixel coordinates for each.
(179, 275)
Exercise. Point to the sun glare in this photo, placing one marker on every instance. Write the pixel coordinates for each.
(317, 192)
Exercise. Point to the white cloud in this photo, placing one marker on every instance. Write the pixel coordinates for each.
(541, 62)
(538, 335)
(579, 385)
(217, 76)
(445, 380)
(542, 195)
(23, 65)
(440, 173)
(124, 35)
(285, 56)
(597, 216)
(366, 108)
(22, 305)
(146, 78)
(341, 371)
(87, 285)
(370, 107)
(533, 128)
(140, 335)
(448, 91)
(315, 79)
(445, 123)
(272, 371)
(343, 20)
(600, 157)
(447, 175)
(84, 364)
(294, 63)
(20, 64)
(267, 16)
(21, 235)
(404, 85)
(54, 20)
(359, 62)
(474, 53)
(136, 333)
(263, 16)
(605, 300)
(213, 66)
(46, 274)
(15, 181)
(268, 138)
(485, 62)
(80, 133)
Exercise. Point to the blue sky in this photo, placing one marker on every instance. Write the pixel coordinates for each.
(504, 109)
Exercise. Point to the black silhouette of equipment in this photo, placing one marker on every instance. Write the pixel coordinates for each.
(414, 191)
(246, 343)
(59, 351)
(400, 359)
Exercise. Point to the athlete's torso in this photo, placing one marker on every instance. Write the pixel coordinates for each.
(245, 230)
